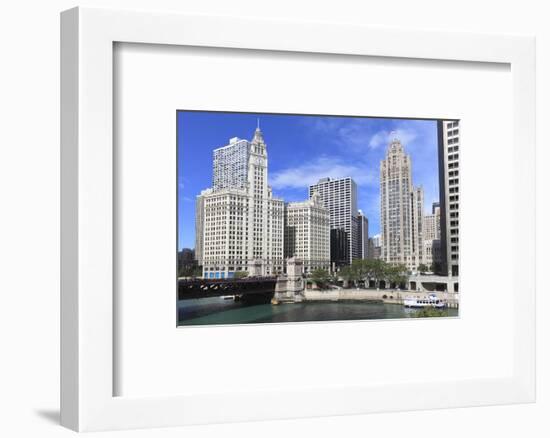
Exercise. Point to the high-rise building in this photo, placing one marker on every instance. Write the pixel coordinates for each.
(417, 209)
(448, 142)
(187, 262)
(199, 225)
(375, 251)
(432, 236)
(339, 196)
(242, 221)
(363, 234)
(231, 165)
(339, 248)
(432, 223)
(307, 233)
(432, 253)
(401, 209)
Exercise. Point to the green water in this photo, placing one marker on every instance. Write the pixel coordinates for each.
(207, 311)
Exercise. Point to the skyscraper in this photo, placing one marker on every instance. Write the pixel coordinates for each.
(307, 233)
(339, 196)
(199, 225)
(417, 208)
(432, 223)
(448, 142)
(231, 165)
(242, 221)
(401, 209)
(432, 236)
(375, 251)
(363, 235)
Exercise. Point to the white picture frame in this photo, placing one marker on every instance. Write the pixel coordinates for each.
(87, 343)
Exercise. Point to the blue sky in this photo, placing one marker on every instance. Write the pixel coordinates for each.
(302, 149)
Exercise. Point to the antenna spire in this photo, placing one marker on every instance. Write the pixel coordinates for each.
(258, 123)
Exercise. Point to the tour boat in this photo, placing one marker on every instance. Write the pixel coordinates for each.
(431, 301)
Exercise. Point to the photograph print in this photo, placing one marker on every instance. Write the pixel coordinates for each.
(301, 218)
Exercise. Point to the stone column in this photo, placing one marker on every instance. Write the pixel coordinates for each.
(256, 268)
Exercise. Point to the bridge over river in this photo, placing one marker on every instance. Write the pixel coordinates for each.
(207, 287)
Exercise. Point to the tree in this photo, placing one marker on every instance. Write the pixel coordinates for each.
(377, 269)
(396, 273)
(423, 268)
(320, 277)
(192, 270)
(241, 274)
(368, 269)
(429, 312)
(360, 268)
(348, 274)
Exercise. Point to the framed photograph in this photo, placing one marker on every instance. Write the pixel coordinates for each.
(335, 222)
(347, 226)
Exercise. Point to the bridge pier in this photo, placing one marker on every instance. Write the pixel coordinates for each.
(290, 287)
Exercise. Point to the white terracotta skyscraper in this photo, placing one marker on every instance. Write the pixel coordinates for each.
(242, 224)
(401, 209)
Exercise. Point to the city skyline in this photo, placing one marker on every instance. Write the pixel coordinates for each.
(303, 149)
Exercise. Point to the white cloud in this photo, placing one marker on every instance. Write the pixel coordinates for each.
(309, 173)
(358, 134)
(382, 138)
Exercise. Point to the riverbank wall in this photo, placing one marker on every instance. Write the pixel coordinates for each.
(386, 296)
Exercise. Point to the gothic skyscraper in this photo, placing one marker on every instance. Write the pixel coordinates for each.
(401, 209)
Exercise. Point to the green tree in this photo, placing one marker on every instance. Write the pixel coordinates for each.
(429, 312)
(348, 274)
(396, 273)
(377, 269)
(241, 274)
(423, 268)
(359, 268)
(320, 277)
(191, 270)
(368, 269)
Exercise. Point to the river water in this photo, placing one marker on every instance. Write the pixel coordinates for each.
(208, 311)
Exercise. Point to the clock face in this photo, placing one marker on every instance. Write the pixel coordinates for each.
(257, 161)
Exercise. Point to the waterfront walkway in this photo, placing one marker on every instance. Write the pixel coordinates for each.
(387, 296)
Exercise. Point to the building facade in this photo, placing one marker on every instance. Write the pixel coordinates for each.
(417, 233)
(339, 196)
(307, 233)
(363, 235)
(432, 224)
(375, 251)
(432, 254)
(432, 238)
(339, 248)
(199, 225)
(242, 223)
(401, 210)
(231, 165)
(449, 144)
